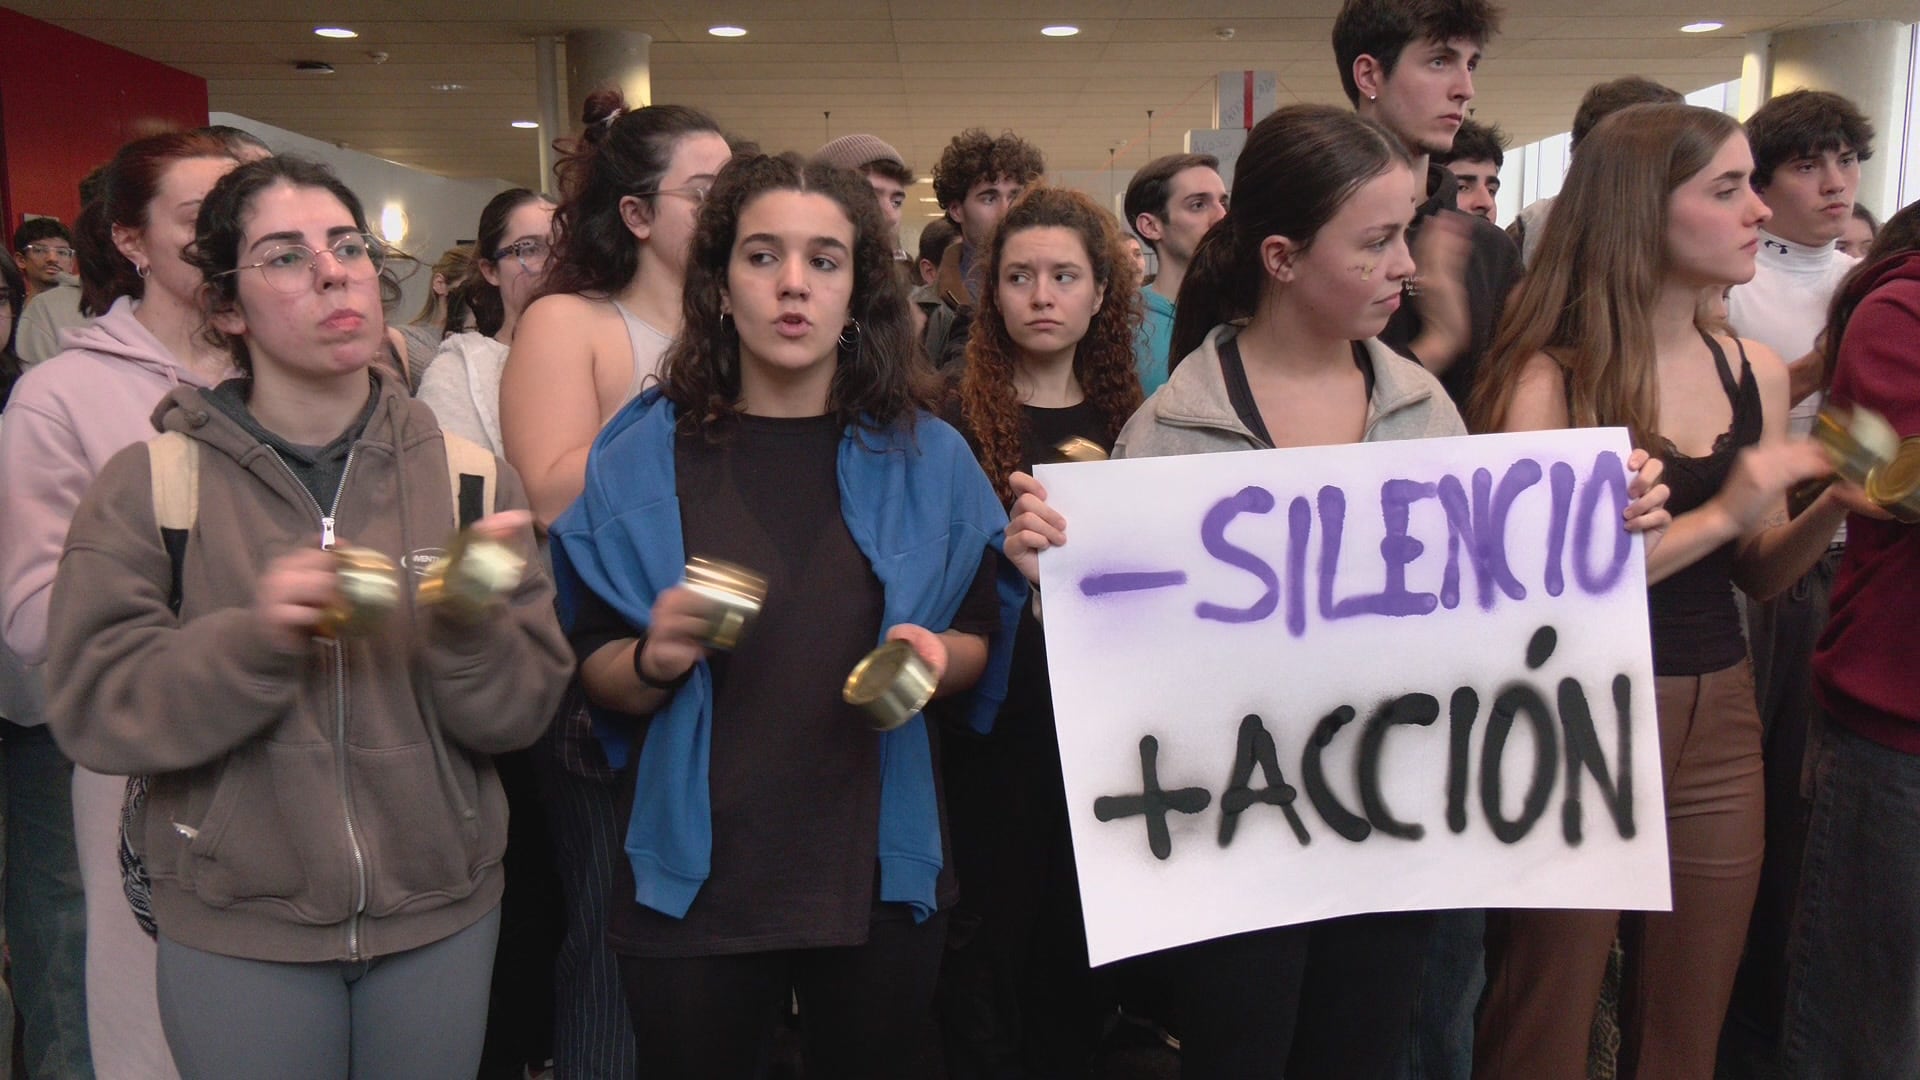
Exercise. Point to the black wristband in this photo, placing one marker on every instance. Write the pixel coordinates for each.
(639, 647)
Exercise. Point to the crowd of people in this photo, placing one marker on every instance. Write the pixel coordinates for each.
(271, 813)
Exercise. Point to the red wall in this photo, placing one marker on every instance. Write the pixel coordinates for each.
(68, 102)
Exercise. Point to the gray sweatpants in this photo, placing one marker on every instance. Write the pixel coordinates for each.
(416, 1015)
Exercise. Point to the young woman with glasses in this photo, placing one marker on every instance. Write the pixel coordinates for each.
(510, 260)
(324, 826)
(631, 189)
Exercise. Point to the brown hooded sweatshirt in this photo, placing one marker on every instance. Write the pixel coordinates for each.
(337, 802)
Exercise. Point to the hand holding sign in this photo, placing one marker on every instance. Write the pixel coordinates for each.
(1033, 526)
(1297, 684)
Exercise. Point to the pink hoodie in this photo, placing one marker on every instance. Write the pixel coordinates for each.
(66, 418)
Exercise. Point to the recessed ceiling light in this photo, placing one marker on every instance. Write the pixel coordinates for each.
(526, 123)
(1059, 31)
(336, 32)
(448, 87)
(1701, 27)
(727, 31)
(313, 67)
(928, 198)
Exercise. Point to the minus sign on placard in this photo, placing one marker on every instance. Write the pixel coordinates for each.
(1134, 581)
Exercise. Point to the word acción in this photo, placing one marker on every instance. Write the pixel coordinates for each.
(1568, 742)
(1476, 512)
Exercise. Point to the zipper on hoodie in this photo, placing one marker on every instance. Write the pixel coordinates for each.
(342, 778)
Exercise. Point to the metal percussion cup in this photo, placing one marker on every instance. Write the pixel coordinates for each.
(1857, 441)
(474, 572)
(1080, 449)
(1895, 486)
(892, 684)
(368, 589)
(733, 595)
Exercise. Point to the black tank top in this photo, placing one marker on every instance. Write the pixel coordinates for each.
(1696, 625)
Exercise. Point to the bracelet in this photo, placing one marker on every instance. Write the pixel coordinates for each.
(639, 647)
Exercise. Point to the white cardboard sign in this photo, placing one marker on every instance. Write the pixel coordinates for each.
(1292, 685)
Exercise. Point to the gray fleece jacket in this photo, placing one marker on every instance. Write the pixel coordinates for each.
(1192, 413)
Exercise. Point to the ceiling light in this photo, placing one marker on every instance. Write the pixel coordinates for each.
(727, 31)
(1059, 31)
(340, 32)
(526, 123)
(1701, 27)
(313, 67)
(928, 198)
(448, 87)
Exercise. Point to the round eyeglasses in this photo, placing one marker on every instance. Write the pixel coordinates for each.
(530, 253)
(290, 268)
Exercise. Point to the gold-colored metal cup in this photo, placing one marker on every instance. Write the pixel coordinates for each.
(1078, 448)
(892, 684)
(367, 590)
(471, 576)
(733, 594)
(1895, 486)
(1839, 431)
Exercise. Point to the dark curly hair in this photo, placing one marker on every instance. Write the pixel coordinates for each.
(881, 381)
(221, 229)
(620, 152)
(974, 155)
(1102, 362)
(1801, 124)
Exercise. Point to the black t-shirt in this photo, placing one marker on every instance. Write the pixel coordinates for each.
(794, 773)
(320, 469)
(1240, 393)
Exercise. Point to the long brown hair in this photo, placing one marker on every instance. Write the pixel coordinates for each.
(1103, 360)
(1588, 300)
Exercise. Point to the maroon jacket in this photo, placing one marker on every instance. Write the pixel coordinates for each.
(1864, 668)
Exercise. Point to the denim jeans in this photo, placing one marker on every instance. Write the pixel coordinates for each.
(46, 915)
(1853, 975)
(1441, 1044)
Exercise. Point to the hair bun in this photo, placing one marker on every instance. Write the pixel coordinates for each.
(600, 110)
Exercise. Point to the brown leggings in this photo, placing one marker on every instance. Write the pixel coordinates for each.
(1544, 967)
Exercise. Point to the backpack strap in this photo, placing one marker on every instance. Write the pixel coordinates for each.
(173, 460)
(472, 474)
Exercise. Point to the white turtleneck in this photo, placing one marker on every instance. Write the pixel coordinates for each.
(1785, 305)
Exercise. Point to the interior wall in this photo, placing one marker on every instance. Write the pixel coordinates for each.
(68, 102)
(440, 211)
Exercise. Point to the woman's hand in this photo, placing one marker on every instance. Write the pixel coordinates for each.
(927, 645)
(1761, 476)
(1646, 510)
(1034, 526)
(293, 595)
(674, 636)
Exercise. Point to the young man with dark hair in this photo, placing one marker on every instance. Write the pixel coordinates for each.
(1601, 101)
(36, 337)
(1170, 204)
(886, 172)
(1479, 151)
(934, 240)
(1807, 149)
(977, 177)
(1409, 64)
(43, 250)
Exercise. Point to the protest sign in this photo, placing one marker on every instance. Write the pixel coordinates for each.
(1297, 684)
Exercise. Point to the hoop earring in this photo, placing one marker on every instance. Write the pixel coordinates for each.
(143, 271)
(852, 327)
(726, 323)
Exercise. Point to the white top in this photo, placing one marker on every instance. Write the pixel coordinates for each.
(462, 386)
(649, 349)
(1784, 307)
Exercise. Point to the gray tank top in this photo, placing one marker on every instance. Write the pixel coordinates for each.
(649, 348)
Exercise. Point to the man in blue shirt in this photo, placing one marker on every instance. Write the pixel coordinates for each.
(1170, 205)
